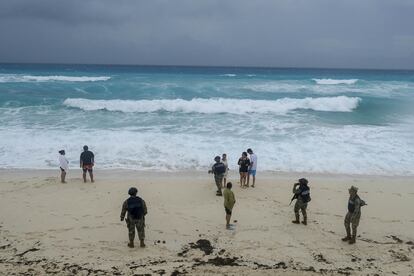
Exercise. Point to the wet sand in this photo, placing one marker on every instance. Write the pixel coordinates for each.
(65, 229)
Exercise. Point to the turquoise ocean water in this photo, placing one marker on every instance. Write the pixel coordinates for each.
(179, 118)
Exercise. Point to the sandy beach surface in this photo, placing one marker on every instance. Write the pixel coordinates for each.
(74, 229)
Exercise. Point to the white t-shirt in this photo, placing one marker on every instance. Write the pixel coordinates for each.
(63, 162)
(253, 159)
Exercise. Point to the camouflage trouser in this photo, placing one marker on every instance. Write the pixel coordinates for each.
(300, 205)
(139, 224)
(351, 220)
(219, 179)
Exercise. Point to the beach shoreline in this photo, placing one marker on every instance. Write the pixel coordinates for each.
(51, 227)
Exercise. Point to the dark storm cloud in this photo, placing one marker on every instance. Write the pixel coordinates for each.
(310, 33)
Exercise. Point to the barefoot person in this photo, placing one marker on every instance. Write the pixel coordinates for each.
(64, 165)
(218, 169)
(86, 163)
(302, 196)
(353, 215)
(244, 164)
(226, 164)
(229, 201)
(252, 167)
(137, 209)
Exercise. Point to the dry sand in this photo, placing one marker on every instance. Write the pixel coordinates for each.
(65, 229)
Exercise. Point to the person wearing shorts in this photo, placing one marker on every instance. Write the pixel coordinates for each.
(252, 167)
(244, 164)
(87, 162)
(229, 201)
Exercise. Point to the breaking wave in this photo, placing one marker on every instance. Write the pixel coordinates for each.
(31, 78)
(334, 81)
(219, 105)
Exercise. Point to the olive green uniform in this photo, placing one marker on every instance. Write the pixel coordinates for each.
(131, 223)
(353, 216)
(299, 205)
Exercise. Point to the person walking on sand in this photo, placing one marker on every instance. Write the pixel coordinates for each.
(218, 169)
(229, 201)
(137, 209)
(354, 214)
(252, 167)
(63, 165)
(244, 164)
(301, 192)
(87, 162)
(226, 164)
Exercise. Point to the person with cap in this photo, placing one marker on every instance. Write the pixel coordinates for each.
(87, 162)
(136, 209)
(252, 167)
(63, 165)
(352, 217)
(301, 193)
(218, 169)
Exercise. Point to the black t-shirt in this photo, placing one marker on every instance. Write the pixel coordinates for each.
(244, 165)
(86, 157)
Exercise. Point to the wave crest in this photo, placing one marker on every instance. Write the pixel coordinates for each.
(219, 105)
(31, 78)
(334, 81)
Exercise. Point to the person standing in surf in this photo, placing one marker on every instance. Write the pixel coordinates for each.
(63, 165)
(244, 164)
(87, 162)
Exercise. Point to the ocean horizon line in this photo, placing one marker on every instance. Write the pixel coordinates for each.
(208, 66)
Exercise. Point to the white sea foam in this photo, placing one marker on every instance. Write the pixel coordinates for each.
(348, 149)
(31, 78)
(335, 81)
(229, 75)
(219, 105)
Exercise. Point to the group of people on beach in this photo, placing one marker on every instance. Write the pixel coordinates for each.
(86, 163)
(247, 167)
(134, 208)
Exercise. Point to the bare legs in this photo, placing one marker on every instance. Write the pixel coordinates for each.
(62, 177)
(90, 175)
(243, 178)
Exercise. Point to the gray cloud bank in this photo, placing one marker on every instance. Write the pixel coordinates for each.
(289, 33)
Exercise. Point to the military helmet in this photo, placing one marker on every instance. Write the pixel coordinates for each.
(353, 188)
(132, 191)
(303, 181)
(217, 158)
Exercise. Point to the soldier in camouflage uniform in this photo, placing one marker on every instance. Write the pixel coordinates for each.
(301, 192)
(137, 209)
(353, 215)
(218, 169)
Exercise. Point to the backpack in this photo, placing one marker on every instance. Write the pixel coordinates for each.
(305, 194)
(135, 207)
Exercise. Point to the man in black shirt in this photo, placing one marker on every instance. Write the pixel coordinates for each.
(86, 162)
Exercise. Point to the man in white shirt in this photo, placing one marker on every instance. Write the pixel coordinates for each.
(252, 168)
(64, 165)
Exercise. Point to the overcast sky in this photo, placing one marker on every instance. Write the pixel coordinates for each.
(288, 33)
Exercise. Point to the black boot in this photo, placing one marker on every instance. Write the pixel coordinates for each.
(305, 221)
(297, 219)
(131, 244)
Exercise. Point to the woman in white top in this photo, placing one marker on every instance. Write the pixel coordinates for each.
(224, 161)
(64, 165)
